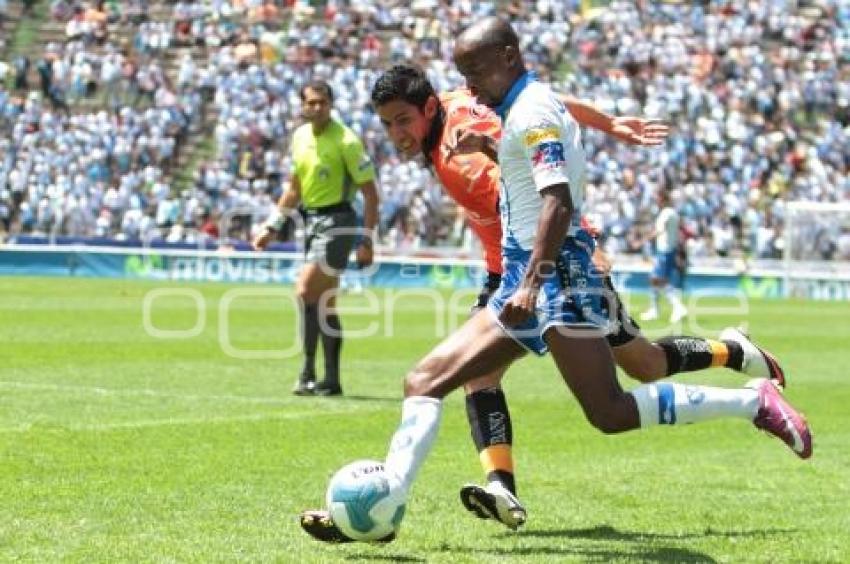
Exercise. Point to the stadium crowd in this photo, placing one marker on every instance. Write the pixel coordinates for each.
(757, 93)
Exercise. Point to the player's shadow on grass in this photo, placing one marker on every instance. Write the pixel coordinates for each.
(607, 532)
(385, 557)
(636, 551)
(589, 554)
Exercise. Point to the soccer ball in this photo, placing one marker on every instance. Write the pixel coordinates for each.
(361, 502)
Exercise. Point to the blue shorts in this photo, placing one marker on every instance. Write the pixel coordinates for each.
(573, 295)
(664, 266)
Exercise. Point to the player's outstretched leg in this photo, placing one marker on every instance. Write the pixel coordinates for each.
(318, 524)
(733, 350)
(609, 409)
(650, 361)
(668, 403)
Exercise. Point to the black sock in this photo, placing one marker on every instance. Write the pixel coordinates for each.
(332, 346)
(310, 336)
(686, 354)
(736, 356)
(492, 433)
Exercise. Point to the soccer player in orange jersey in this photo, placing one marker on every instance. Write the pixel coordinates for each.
(421, 122)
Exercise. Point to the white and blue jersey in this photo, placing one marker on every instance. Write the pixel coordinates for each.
(541, 147)
(666, 241)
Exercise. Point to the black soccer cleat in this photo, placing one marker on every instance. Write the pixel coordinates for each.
(325, 389)
(318, 524)
(304, 387)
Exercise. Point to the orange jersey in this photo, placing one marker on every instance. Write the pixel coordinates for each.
(472, 180)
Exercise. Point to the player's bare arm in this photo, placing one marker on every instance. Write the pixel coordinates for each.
(551, 230)
(365, 253)
(640, 131)
(628, 129)
(287, 202)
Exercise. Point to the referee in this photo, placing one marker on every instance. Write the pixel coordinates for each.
(329, 166)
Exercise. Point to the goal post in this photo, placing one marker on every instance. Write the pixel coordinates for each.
(816, 243)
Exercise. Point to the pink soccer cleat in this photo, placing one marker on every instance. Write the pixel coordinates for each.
(777, 417)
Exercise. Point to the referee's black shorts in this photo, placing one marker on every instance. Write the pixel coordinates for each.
(330, 235)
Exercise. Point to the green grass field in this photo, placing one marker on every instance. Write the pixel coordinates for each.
(118, 446)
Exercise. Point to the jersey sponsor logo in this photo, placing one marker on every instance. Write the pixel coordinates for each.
(542, 134)
(549, 154)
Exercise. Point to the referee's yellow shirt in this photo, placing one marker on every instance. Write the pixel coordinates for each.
(330, 166)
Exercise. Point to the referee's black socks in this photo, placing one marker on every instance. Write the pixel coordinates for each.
(310, 335)
(332, 347)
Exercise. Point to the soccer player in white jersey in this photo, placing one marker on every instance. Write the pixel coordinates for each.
(550, 299)
(666, 237)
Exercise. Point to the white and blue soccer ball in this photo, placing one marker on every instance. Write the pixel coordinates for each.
(362, 502)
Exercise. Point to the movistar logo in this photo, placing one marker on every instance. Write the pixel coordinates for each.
(142, 266)
(448, 276)
(763, 288)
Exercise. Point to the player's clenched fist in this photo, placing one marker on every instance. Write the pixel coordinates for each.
(520, 307)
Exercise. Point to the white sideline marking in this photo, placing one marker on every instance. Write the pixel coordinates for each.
(332, 408)
(204, 420)
(140, 392)
(146, 423)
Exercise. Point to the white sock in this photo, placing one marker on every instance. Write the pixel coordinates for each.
(653, 299)
(420, 421)
(669, 403)
(673, 297)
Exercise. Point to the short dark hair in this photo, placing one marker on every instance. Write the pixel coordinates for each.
(492, 31)
(318, 86)
(403, 82)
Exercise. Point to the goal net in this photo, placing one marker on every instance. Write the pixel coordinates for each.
(817, 246)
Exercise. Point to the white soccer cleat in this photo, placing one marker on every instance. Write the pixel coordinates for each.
(649, 315)
(679, 313)
(494, 501)
(758, 363)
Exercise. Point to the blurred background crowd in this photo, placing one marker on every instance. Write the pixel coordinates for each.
(152, 119)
